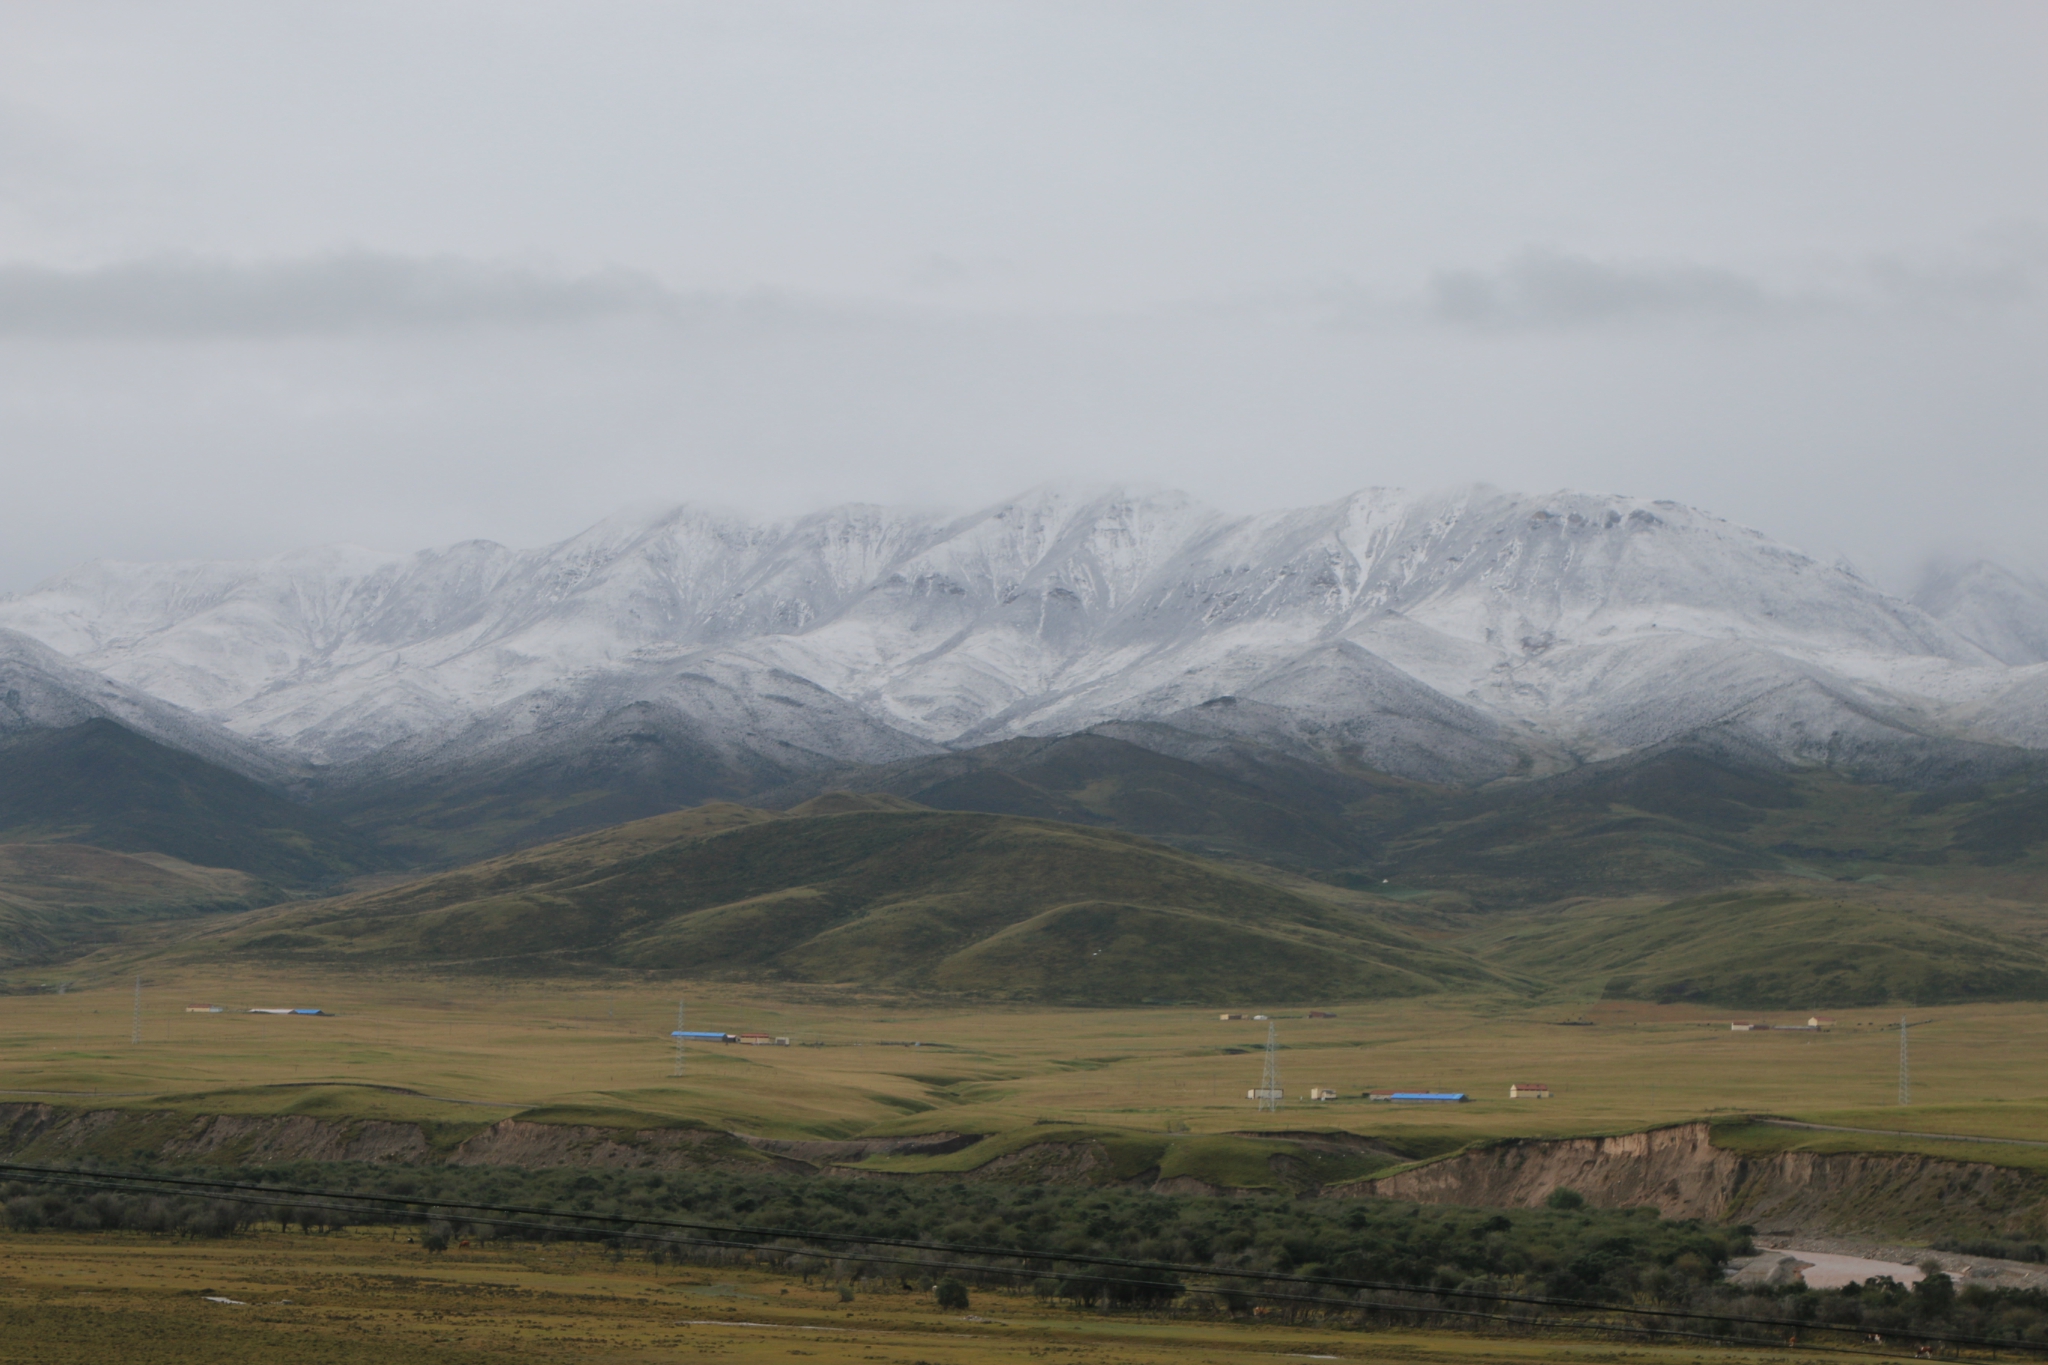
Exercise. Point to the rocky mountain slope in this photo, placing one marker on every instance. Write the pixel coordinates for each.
(1454, 637)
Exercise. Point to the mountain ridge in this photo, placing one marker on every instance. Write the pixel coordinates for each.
(1455, 637)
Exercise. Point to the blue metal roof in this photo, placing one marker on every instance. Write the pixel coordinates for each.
(677, 1033)
(1442, 1096)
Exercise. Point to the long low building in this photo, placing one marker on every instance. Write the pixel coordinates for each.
(1417, 1096)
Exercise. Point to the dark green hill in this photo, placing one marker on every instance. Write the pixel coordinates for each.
(1684, 819)
(1766, 950)
(984, 905)
(1240, 800)
(99, 783)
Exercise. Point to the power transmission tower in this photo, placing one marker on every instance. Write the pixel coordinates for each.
(1905, 1066)
(135, 1030)
(1269, 1085)
(679, 1040)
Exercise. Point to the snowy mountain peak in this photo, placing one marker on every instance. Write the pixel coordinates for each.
(1456, 634)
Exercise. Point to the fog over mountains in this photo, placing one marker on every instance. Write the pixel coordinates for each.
(1457, 637)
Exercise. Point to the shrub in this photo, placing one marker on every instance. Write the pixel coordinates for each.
(1563, 1198)
(951, 1293)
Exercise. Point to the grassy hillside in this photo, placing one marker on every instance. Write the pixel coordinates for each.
(55, 898)
(992, 906)
(1243, 801)
(101, 784)
(1682, 820)
(1766, 950)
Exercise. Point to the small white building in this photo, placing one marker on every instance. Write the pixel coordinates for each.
(1321, 1092)
(1526, 1090)
(1261, 1093)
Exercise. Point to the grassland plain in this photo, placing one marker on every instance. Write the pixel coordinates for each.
(367, 1297)
(461, 1052)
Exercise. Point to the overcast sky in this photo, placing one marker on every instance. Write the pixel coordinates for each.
(400, 274)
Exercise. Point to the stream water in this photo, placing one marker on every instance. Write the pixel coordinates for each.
(1829, 1270)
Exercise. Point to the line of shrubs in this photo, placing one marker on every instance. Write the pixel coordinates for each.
(1620, 1258)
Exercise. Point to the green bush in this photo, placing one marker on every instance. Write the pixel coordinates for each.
(951, 1294)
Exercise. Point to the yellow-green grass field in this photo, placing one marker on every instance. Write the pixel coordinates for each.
(459, 1053)
(367, 1296)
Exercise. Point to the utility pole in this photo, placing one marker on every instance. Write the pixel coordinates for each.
(1269, 1084)
(135, 1031)
(679, 1040)
(1905, 1066)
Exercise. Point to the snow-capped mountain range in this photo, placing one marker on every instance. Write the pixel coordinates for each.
(1457, 636)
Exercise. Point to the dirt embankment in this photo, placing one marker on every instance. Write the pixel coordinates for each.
(1676, 1170)
(859, 1149)
(1679, 1172)
(43, 1132)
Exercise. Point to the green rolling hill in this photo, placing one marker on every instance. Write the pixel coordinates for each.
(1683, 820)
(1084, 868)
(1764, 950)
(57, 898)
(875, 892)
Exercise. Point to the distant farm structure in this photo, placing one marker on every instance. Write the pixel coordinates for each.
(1528, 1090)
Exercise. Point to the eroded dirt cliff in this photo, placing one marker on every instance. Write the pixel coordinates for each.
(1680, 1172)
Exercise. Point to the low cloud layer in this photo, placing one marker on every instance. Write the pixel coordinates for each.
(323, 295)
(1552, 289)
(367, 292)
(1548, 289)
(188, 409)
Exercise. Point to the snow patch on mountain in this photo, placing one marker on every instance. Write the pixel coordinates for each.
(1993, 608)
(40, 689)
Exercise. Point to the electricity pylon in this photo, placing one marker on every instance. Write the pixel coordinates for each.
(1269, 1085)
